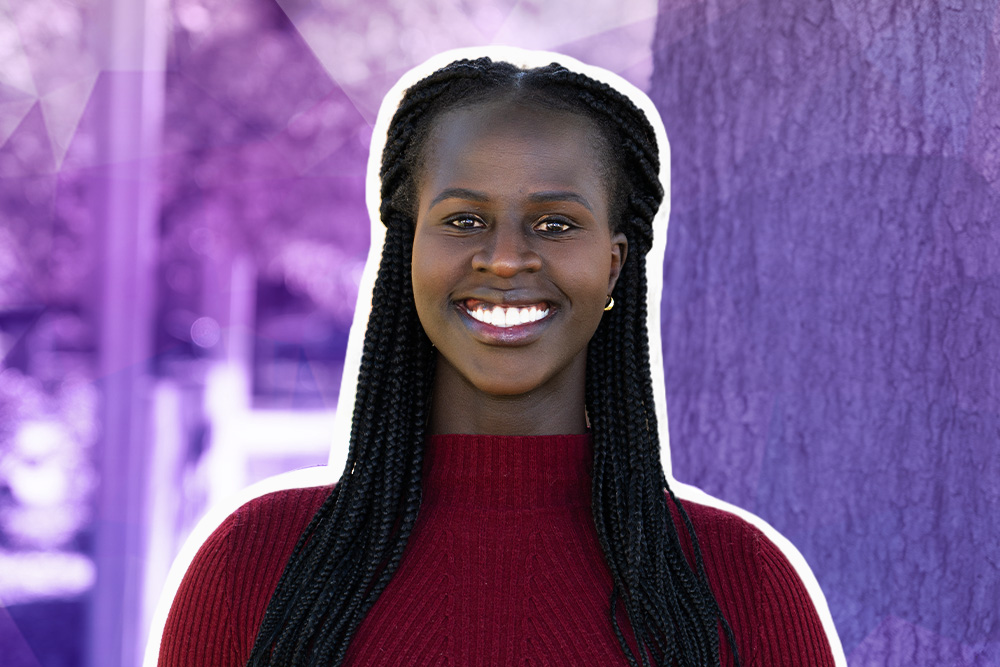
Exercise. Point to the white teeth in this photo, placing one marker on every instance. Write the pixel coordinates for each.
(499, 316)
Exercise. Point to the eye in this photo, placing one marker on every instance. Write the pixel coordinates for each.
(553, 225)
(465, 222)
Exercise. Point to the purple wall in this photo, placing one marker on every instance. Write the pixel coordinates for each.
(832, 299)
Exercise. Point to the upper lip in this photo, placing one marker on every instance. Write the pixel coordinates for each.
(507, 299)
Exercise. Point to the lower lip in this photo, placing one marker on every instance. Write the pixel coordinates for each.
(519, 334)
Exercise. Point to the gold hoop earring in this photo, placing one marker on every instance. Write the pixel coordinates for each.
(610, 304)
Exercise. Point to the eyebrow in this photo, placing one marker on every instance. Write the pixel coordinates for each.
(560, 195)
(535, 198)
(459, 193)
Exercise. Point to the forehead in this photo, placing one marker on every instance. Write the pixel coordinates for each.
(505, 141)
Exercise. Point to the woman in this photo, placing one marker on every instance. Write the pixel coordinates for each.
(503, 500)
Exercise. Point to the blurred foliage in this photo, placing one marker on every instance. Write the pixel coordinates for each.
(48, 403)
(46, 476)
(261, 147)
(264, 158)
(49, 66)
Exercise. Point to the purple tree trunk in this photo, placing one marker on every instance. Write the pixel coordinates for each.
(832, 299)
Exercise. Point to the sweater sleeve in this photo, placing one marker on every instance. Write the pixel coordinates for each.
(759, 592)
(198, 632)
(789, 631)
(222, 599)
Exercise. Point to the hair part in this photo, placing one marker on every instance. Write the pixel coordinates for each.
(354, 543)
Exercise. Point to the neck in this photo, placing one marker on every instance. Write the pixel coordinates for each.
(459, 407)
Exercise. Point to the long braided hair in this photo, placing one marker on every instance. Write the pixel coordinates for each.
(354, 543)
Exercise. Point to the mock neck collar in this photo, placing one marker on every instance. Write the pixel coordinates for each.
(507, 472)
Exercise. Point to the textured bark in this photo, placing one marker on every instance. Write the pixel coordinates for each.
(832, 299)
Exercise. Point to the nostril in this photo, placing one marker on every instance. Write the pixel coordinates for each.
(507, 262)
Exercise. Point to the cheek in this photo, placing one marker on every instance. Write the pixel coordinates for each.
(429, 275)
(422, 282)
(592, 277)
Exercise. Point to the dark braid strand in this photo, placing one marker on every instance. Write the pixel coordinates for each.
(334, 577)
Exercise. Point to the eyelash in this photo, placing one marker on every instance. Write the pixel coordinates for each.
(454, 222)
(559, 221)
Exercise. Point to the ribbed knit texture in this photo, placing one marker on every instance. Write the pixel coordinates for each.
(503, 568)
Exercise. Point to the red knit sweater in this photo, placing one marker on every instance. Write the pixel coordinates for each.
(503, 568)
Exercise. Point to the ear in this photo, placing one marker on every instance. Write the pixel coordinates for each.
(619, 251)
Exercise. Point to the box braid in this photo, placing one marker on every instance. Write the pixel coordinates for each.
(354, 543)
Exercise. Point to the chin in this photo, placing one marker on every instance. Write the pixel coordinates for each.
(508, 382)
(506, 389)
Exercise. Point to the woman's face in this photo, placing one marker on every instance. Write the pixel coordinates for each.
(513, 255)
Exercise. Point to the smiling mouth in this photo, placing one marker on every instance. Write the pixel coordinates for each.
(505, 317)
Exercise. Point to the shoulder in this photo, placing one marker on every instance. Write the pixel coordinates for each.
(718, 524)
(277, 513)
(272, 519)
(215, 613)
(259, 537)
(268, 526)
(729, 541)
(759, 590)
(723, 537)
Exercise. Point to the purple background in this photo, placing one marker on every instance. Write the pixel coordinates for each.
(832, 299)
(182, 228)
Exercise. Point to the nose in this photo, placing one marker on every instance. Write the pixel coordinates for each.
(506, 251)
